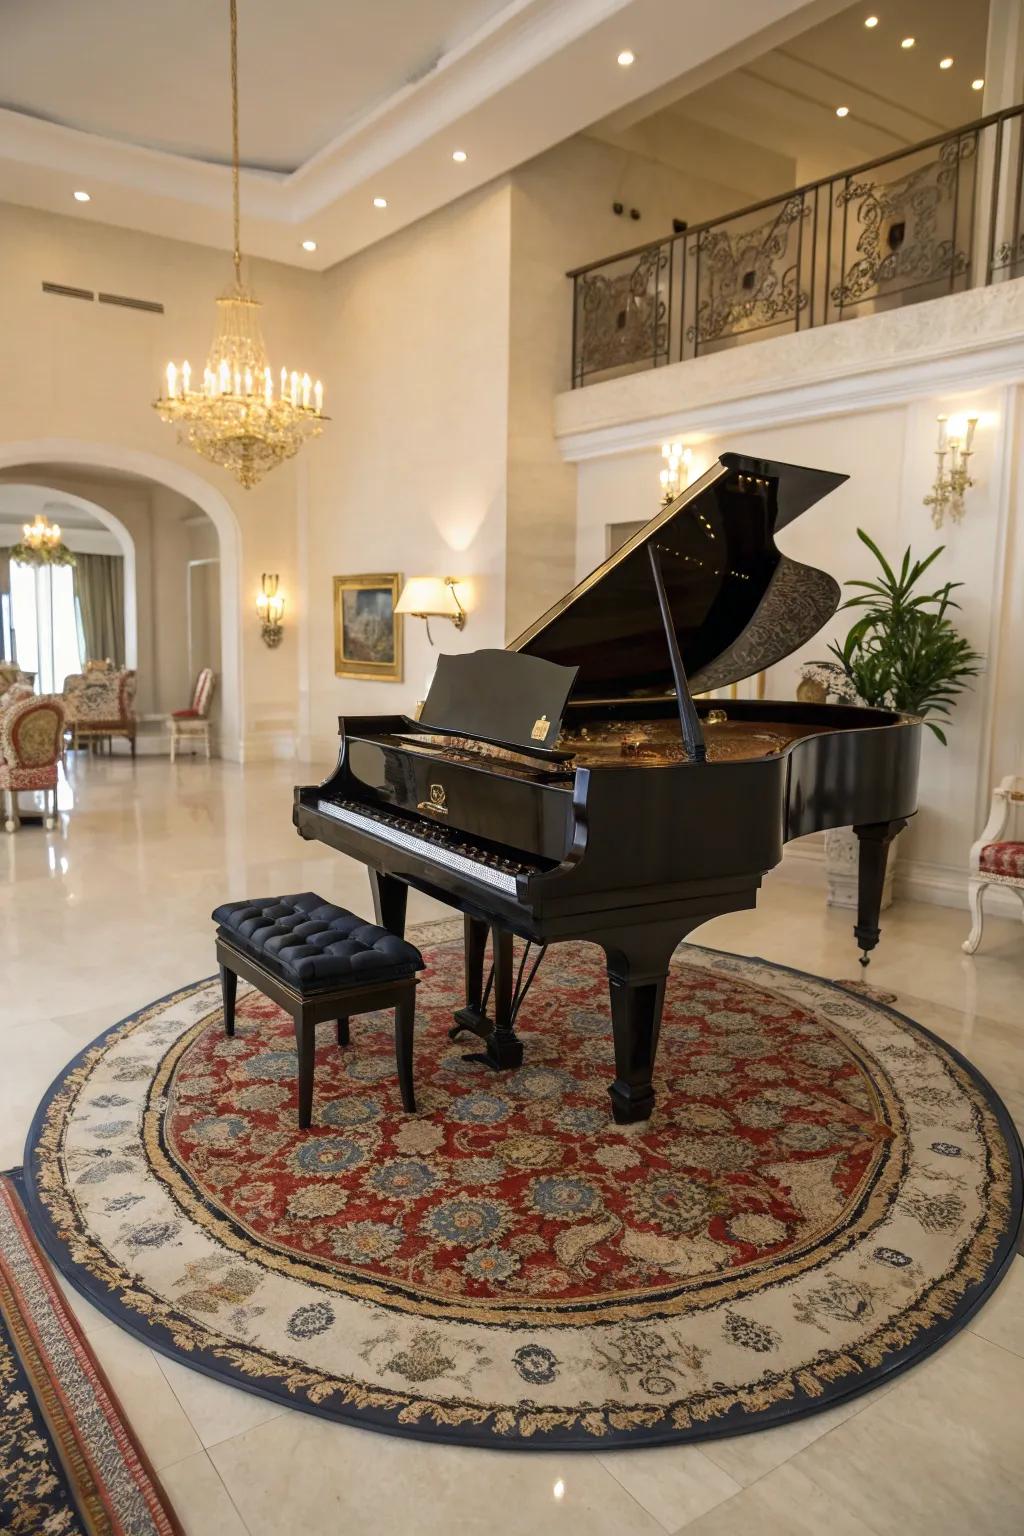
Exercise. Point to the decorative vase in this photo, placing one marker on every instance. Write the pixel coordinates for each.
(842, 850)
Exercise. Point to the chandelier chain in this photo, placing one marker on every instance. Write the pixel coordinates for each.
(235, 158)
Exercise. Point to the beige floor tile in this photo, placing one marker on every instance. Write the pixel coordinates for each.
(1001, 1320)
(150, 1406)
(783, 1503)
(301, 1474)
(215, 1410)
(747, 1457)
(673, 1483)
(90, 1318)
(942, 1454)
(199, 1498)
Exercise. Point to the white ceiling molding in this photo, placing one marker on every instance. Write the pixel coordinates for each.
(537, 72)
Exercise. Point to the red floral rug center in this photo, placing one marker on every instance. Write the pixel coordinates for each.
(519, 1186)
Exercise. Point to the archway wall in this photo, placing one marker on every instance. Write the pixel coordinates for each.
(76, 387)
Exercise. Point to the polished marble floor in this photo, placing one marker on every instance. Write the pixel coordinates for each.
(113, 910)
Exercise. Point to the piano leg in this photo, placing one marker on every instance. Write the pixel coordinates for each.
(638, 961)
(874, 840)
(390, 897)
(504, 1048)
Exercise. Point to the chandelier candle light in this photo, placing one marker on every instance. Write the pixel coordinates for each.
(949, 490)
(41, 544)
(237, 418)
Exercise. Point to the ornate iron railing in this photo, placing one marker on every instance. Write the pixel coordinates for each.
(935, 219)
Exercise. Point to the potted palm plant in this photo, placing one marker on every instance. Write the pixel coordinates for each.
(903, 652)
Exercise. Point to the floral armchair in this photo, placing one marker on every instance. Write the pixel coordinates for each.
(99, 704)
(31, 742)
(995, 860)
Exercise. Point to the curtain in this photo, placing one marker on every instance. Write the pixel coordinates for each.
(99, 587)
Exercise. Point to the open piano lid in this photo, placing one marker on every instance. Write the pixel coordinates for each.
(739, 605)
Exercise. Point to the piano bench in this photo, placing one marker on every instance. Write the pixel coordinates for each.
(317, 962)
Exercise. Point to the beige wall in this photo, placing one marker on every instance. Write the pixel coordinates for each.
(86, 373)
(411, 476)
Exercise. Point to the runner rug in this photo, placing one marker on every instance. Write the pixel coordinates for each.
(69, 1465)
(824, 1193)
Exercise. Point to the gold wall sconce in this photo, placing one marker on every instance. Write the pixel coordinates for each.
(432, 597)
(270, 610)
(951, 486)
(676, 474)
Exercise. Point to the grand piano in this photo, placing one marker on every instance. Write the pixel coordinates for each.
(572, 787)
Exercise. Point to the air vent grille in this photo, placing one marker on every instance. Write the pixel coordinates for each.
(150, 305)
(69, 293)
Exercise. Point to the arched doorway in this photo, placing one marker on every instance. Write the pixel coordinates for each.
(67, 452)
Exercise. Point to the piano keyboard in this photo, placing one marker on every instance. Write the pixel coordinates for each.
(428, 842)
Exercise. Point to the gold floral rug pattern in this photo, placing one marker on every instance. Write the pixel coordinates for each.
(823, 1193)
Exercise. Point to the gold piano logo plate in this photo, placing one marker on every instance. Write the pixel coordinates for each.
(541, 728)
(436, 804)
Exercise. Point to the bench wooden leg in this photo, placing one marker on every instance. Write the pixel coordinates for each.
(405, 1014)
(305, 1045)
(343, 1035)
(228, 990)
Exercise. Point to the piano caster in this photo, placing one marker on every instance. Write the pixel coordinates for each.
(628, 1108)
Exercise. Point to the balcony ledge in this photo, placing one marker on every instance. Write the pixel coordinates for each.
(964, 340)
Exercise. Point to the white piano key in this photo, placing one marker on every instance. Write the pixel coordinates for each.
(434, 852)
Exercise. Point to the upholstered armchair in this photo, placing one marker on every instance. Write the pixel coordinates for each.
(194, 723)
(99, 704)
(994, 859)
(31, 742)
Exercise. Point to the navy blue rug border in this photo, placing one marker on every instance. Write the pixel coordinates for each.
(735, 1421)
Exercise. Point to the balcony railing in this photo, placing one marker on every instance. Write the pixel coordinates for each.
(927, 221)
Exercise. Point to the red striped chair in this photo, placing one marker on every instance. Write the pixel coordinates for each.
(995, 860)
(193, 724)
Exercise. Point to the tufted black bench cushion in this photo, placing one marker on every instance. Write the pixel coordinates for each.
(314, 944)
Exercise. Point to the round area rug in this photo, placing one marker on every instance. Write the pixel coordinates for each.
(824, 1193)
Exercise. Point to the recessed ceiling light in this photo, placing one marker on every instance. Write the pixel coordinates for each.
(459, 155)
(309, 245)
(380, 202)
(908, 42)
(946, 63)
(83, 197)
(627, 57)
(977, 85)
(842, 111)
(871, 21)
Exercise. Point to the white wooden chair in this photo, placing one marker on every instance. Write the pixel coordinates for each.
(994, 859)
(193, 724)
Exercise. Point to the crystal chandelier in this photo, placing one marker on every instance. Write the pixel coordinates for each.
(236, 419)
(41, 544)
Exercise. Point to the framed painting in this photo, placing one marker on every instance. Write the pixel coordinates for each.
(367, 630)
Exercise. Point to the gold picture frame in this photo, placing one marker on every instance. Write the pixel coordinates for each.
(367, 630)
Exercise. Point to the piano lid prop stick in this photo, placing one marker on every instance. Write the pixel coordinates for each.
(689, 720)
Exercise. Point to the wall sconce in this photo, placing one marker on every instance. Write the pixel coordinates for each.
(432, 597)
(270, 609)
(947, 494)
(676, 473)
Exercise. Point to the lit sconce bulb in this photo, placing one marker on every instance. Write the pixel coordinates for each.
(842, 111)
(318, 397)
(908, 42)
(82, 197)
(172, 381)
(946, 63)
(977, 85)
(380, 202)
(626, 58)
(558, 1491)
(871, 21)
(309, 245)
(459, 156)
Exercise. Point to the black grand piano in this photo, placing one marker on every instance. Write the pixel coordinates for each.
(571, 786)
